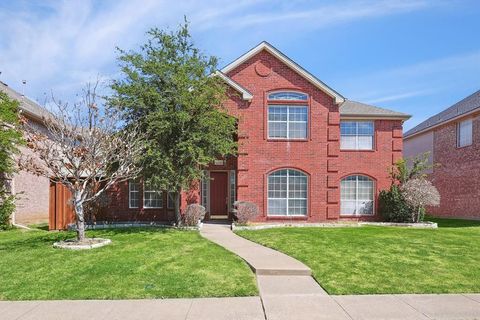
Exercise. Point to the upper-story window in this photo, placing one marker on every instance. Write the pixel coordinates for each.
(356, 135)
(288, 95)
(287, 120)
(464, 133)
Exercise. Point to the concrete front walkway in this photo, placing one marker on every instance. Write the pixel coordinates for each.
(262, 260)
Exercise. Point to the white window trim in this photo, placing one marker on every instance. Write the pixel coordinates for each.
(232, 188)
(356, 198)
(205, 196)
(148, 207)
(288, 189)
(459, 124)
(356, 135)
(288, 121)
(130, 191)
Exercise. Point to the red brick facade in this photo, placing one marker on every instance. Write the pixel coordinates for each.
(319, 156)
(457, 173)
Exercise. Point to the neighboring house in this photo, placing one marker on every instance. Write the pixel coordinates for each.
(32, 191)
(452, 137)
(305, 152)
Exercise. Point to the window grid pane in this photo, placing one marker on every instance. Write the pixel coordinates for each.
(152, 198)
(356, 135)
(288, 122)
(287, 193)
(465, 133)
(356, 196)
(133, 194)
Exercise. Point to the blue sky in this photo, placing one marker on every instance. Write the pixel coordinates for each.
(414, 56)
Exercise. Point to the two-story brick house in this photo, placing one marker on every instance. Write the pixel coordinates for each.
(452, 139)
(305, 152)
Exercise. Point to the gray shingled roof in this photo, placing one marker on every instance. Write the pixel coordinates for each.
(29, 107)
(464, 106)
(358, 109)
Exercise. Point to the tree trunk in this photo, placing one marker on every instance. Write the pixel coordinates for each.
(80, 217)
(176, 199)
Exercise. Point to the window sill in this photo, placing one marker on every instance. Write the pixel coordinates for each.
(358, 150)
(463, 147)
(150, 208)
(285, 217)
(287, 140)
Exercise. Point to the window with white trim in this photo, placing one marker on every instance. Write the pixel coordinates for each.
(152, 198)
(288, 95)
(287, 122)
(356, 135)
(133, 194)
(356, 195)
(287, 193)
(204, 189)
(464, 133)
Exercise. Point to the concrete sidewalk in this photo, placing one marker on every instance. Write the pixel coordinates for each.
(279, 306)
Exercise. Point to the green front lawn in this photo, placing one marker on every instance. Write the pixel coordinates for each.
(374, 260)
(140, 263)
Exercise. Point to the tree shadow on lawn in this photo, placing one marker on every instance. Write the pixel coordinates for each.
(453, 223)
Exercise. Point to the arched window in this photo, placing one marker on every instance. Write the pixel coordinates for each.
(287, 193)
(356, 195)
(288, 95)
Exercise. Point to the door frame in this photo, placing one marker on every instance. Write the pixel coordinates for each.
(229, 191)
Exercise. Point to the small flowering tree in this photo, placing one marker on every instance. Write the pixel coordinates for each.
(85, 148)
(419, 193)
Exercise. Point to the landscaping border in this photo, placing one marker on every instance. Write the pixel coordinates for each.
(123, 225)
(420, 225)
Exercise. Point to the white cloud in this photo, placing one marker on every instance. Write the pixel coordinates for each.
(60, 45)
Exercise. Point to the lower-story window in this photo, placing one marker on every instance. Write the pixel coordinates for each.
(151, 197)
(287, 193)
(356, 195)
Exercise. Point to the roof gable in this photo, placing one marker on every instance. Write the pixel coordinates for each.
(290, 63)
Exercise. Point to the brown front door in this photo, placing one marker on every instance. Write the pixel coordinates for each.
(218, 193)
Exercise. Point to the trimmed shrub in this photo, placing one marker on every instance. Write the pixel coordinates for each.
(246, 211)
(393, 206)
(7, 207)
(193, 214)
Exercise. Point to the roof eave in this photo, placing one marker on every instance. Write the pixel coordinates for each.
(246, 95)
(375, 117)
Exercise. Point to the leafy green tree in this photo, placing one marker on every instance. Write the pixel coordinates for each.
(168, 89)
(407, 169)
(10, 139)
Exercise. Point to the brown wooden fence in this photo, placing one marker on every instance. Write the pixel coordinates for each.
(61, 213)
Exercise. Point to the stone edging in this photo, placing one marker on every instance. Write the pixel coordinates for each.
(123, 225)
(65, 245)
(421, 225)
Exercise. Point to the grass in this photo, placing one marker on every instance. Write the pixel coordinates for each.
(140, 263)
(375, 260)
